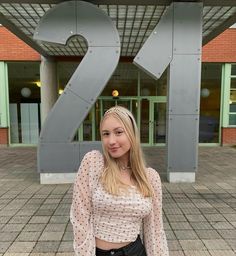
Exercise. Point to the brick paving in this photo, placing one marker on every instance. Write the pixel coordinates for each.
(199, 218)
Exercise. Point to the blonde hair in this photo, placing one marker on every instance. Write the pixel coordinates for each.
(110, 178)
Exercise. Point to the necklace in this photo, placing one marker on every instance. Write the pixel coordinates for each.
(123, 168)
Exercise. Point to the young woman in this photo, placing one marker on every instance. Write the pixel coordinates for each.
(117, 201)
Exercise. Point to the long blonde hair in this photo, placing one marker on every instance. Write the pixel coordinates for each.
(110, 178)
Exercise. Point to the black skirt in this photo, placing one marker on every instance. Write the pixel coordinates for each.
(135, 248)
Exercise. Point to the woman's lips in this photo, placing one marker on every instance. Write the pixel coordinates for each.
(113, 149)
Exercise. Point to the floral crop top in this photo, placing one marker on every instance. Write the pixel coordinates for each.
(95, 213)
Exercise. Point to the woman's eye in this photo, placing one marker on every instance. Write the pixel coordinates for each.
(119, 132)
(104, 134)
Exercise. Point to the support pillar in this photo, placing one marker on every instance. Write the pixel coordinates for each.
(176, 43)
(184, 79)
(49, 86)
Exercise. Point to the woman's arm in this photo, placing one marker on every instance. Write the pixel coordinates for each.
(153, 232)
(81, 209)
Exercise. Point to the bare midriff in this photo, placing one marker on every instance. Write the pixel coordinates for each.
(104, 245)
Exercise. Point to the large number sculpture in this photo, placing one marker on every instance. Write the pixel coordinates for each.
(165, 47)
(57, 153)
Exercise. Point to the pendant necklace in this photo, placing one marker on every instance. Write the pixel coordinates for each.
(123, 168)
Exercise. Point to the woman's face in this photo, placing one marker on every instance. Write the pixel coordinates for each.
(115, 139)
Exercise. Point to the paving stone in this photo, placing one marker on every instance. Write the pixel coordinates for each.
(228, 210)
(68, 236)
(207, 234)
(195, 218)
(201, 225)
(13, 227)
(42, 254)
(222, 253)
(34, 227)
(230, 217)
(54, 201)
(4, 246)
(4, 219)
(221, 225)
(46, 247)
(185, 234)
(51, 236)
(194, 245)
(191, 211)
(25, 212)
(16, 254)
(174, 245)
(197, 253)
(233, 223)
(59, 219)
(66, 246)
(232, 243)
(8, 236)
(180, 225)
(19, 219)
(176, 217)
(226, 234)
(172, 211)
(216, 244)
(21, 247)
(42, 212)
(208, 210)
(55, 227)
(28, 236)
(214, 217)
(39, 219)
(65, 254)
(176, 253)
(4, 212)
(170, 235)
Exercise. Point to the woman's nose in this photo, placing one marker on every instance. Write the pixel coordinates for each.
(112, 139)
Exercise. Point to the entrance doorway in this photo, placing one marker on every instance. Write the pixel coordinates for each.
(153, 121)
(150, 115)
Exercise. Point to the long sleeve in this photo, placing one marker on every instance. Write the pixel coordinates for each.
(81, 211)
(153, 232)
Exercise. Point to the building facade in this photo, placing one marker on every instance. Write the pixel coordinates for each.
(20, 108)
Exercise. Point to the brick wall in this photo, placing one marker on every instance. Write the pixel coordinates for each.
(228, 136)
(12, 48)
(3, 136)
(222, 48)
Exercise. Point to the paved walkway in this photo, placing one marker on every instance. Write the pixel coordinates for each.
(199, 218)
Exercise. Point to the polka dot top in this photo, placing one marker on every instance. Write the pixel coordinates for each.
(95, 213)
(118, 218)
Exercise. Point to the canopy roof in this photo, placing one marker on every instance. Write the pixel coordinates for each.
(134, 20)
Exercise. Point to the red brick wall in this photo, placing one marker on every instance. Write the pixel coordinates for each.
(12, 48)
(4, 136)
(228, 136)
(222, 48)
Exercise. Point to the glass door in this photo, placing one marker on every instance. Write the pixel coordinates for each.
(157, 124)
(153, 121)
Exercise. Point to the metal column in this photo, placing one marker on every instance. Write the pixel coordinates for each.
(176, 43)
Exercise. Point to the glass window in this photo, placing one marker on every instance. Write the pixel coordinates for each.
(232, 119)
(233, 83)
(210, 103)
(151, 87)
(233, 70)
(65, 70)
(232, 100)
(124, 80)
(232, 107)
(24, 97)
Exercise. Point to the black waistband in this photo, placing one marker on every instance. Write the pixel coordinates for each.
(119, 250)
